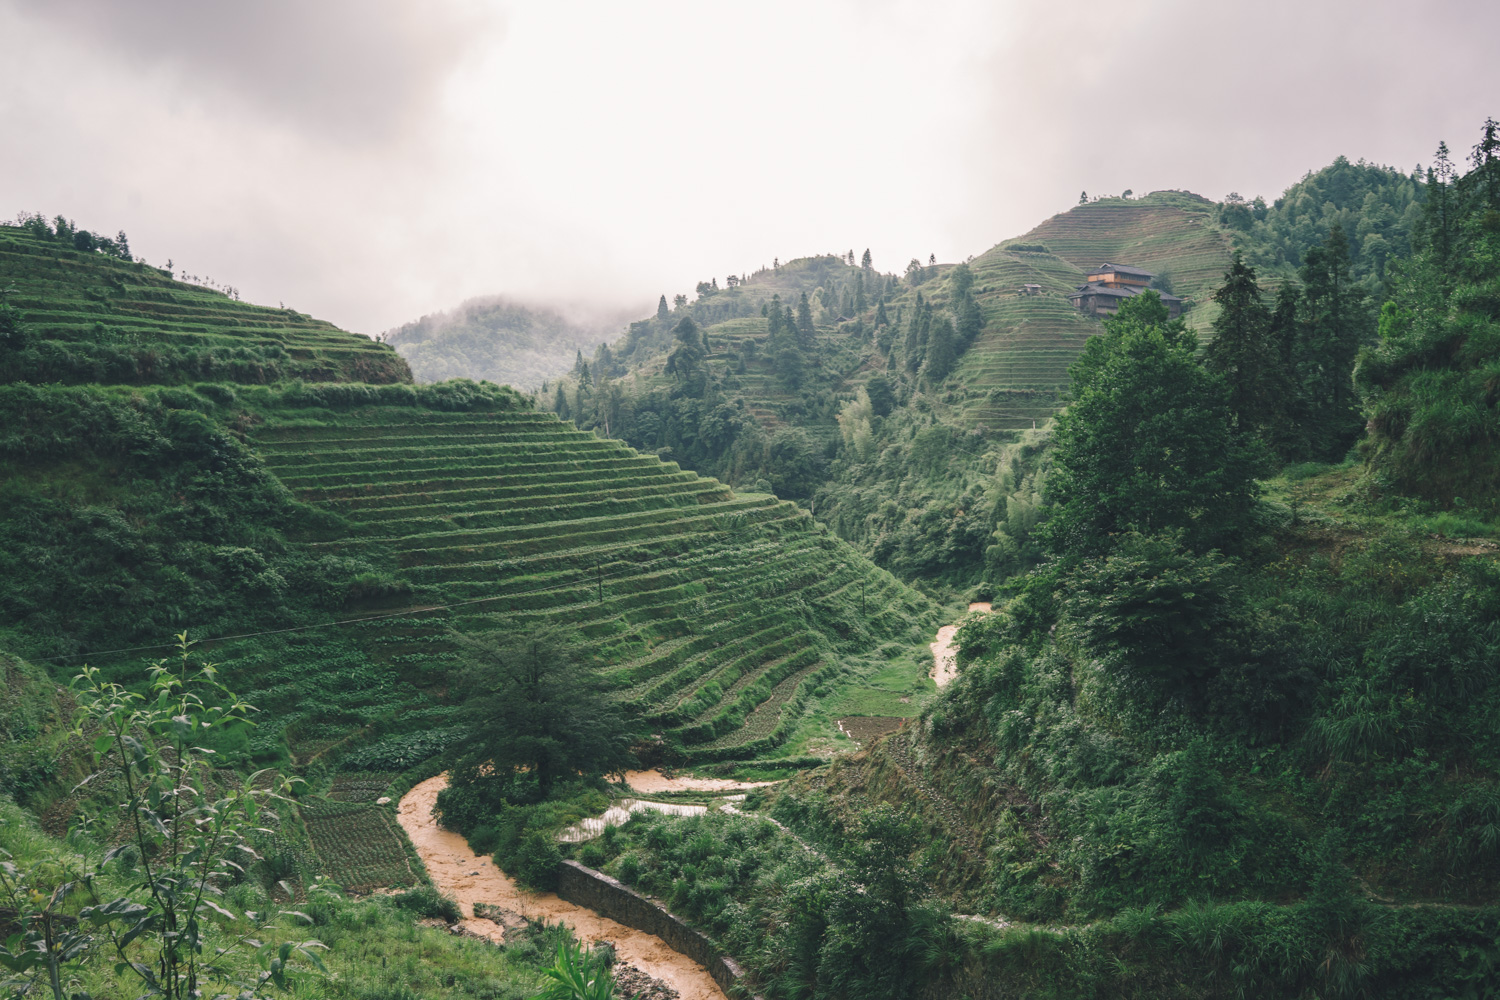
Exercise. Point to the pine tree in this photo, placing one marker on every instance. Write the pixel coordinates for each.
(880, 317)
(1335, 324)
(560, 404)
(859, 294)
(662, 312)
(804, 321)
(941, 351)
(1243, 352)
(867, 262)
(1485, 158)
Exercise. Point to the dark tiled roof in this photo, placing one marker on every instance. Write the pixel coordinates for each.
(1107, 291)
(1122, 269)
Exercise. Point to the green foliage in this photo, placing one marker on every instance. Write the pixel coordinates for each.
(1378, 208)
(1158, 608)
(536, 714)
(1147, 445)
(425, 901)
(1430, 386)
(189, 835)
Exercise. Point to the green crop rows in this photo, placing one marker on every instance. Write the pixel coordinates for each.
(704, 609)
(103, 319)
(358, 844)
(1014, 373)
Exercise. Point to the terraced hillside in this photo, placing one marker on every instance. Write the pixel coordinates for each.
(1167, 232)
(1012, 374)
(714, 614)
(91, 317)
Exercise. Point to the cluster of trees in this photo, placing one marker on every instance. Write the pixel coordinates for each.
(1377, 207)
(66, 232)
(1429, 386)
(1289, 366)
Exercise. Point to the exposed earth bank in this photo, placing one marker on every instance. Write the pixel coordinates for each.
(468, 878)
(945, 653)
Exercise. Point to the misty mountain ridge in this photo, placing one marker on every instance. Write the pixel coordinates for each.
(503, 340)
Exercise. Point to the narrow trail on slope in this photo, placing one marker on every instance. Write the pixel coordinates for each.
(945, 653)
(468, 878)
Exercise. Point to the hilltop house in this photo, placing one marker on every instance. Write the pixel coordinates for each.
(1031, 289)
(1110, 284)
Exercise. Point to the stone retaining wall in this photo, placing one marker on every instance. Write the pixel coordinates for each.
(617, 901)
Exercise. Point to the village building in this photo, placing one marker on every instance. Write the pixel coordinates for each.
(1031, 289)
(1110, 284)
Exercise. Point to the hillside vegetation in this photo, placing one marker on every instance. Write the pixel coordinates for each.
(1233, 735)
(81, 312)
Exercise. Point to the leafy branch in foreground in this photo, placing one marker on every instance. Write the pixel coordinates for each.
(188, 833)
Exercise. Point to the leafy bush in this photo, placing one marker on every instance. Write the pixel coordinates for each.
(536, 861)
(426, 901)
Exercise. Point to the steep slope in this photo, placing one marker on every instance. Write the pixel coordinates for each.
(1014, 371)
(88, 316)
(714, 613)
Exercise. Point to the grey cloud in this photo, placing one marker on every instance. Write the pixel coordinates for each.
(353, 71)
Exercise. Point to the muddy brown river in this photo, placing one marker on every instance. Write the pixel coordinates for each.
(469, 879)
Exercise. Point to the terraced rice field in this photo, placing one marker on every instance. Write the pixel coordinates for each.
(1162, 233)
(1013, 373)
(713, 614)
(108, 307)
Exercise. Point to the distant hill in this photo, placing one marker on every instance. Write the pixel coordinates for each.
(502, 341)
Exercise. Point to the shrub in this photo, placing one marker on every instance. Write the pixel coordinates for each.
(537, 861)
(425, 901)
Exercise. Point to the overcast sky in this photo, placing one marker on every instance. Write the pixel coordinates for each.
(372, 160)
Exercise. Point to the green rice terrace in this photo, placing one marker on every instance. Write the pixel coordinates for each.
(95, 317)
(715, 616)
(1013, 376)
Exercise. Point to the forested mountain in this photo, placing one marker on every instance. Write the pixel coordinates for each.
(1234, 735)
(496, 340)
(1377, 207)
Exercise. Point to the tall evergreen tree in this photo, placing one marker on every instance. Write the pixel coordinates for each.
(941, 350)
(805, 329)
(662, 312)
(560, 404)
(860, 303)
(866, 262)
(1242, 350)
(686, 362)
(1485, 158)
(1335, 324)
(911, 348)
(880, 317)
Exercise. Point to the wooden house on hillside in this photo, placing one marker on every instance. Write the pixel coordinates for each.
(1110, 284)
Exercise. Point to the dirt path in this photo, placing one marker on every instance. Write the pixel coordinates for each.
(945, 653)
(654, 783)
(471, 879)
